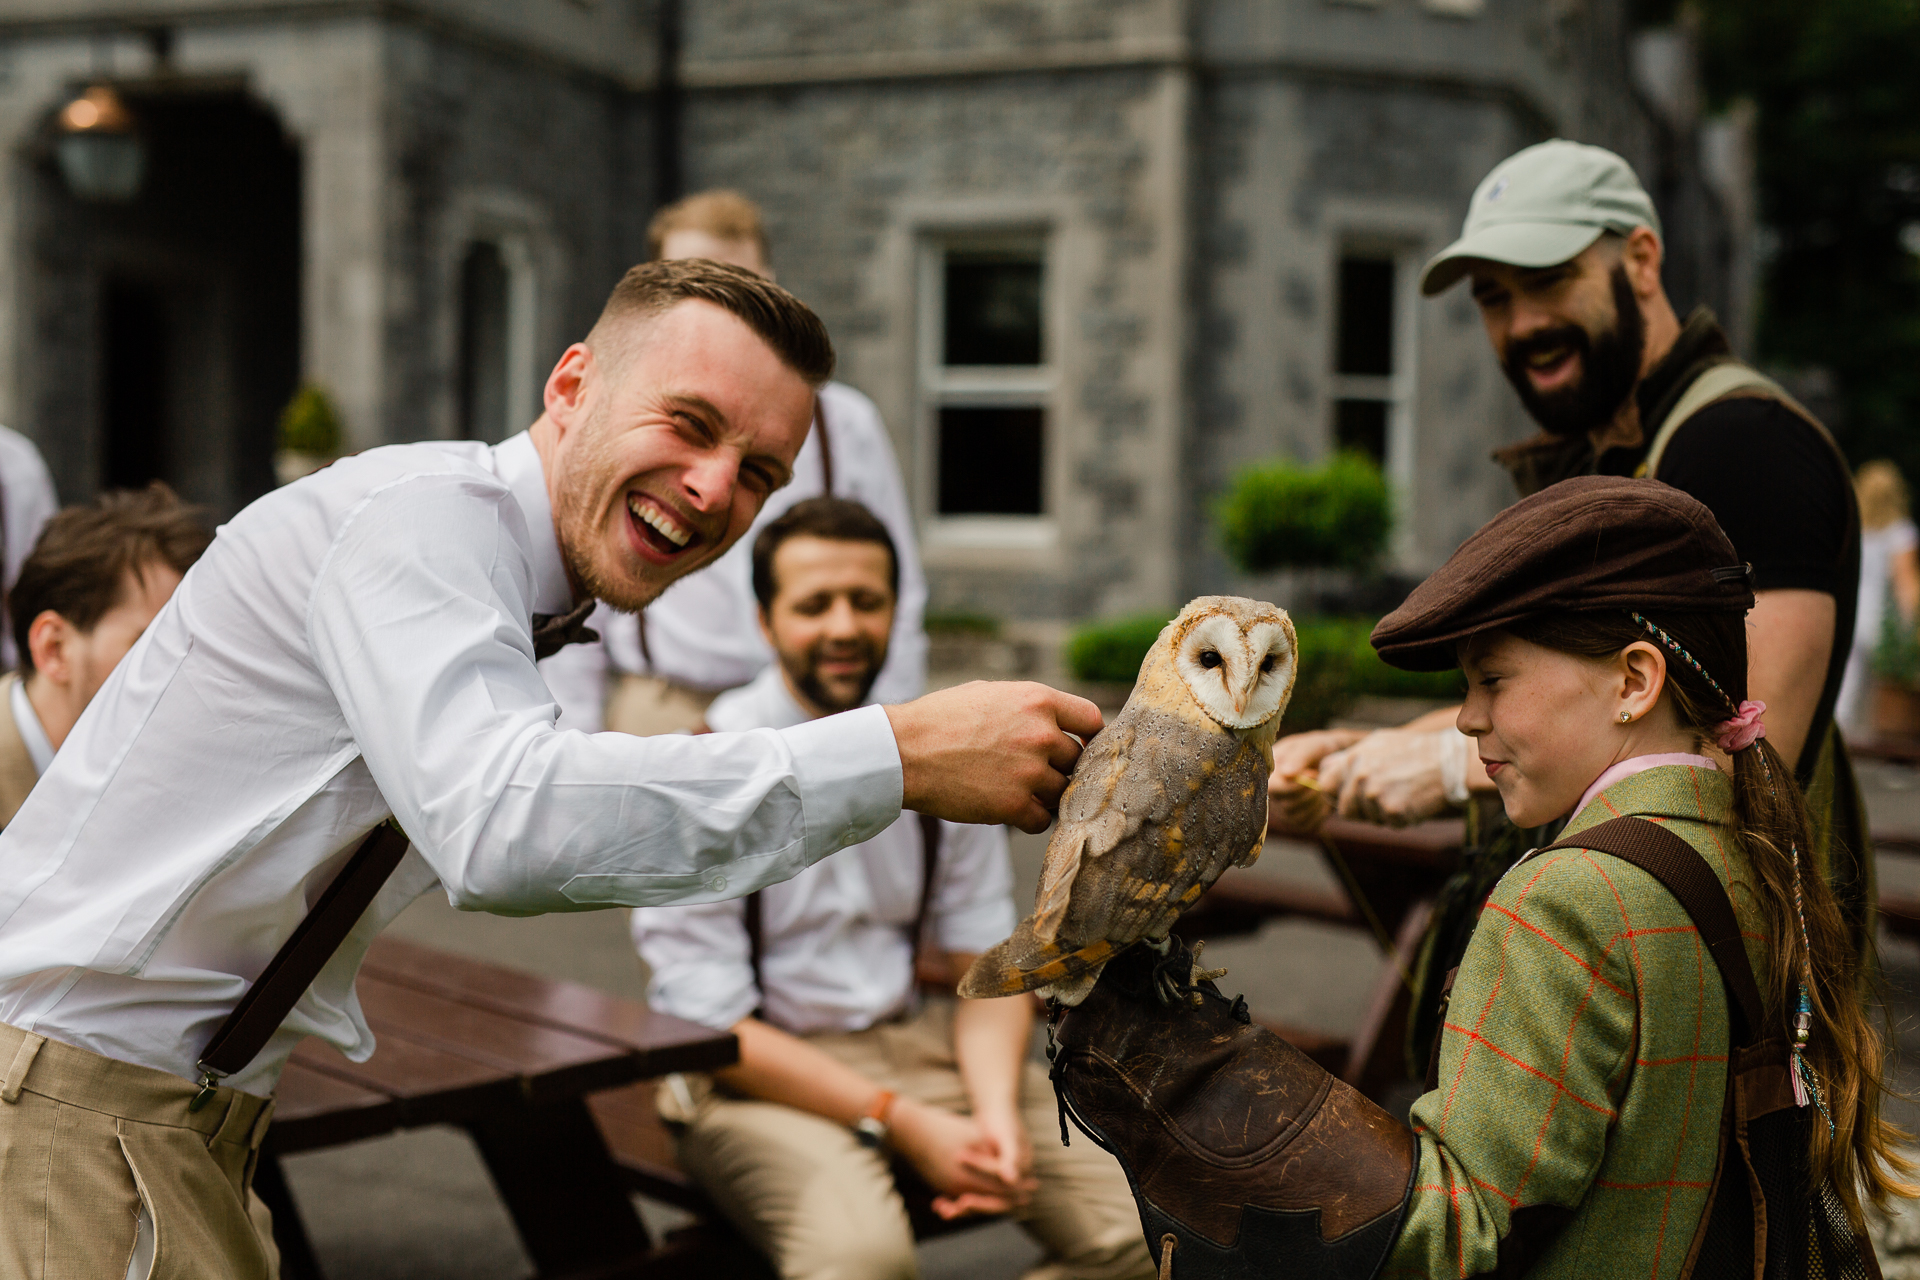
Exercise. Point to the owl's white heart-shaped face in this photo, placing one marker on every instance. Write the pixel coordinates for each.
(1240, 673)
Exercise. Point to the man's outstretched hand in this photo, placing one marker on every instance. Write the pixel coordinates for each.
(991, 751)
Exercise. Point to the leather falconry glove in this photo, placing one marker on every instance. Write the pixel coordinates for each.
(1246, 1158)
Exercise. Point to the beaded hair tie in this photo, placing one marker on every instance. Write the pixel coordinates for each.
(1735, 734)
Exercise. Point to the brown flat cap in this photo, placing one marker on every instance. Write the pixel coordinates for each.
(1587, 544)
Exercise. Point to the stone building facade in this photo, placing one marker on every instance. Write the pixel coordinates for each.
(1088, 256)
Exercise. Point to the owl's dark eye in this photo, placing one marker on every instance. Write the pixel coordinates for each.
(1209, 659)
(1267, 664)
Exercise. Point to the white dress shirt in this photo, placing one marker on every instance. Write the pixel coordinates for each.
(26, 504)
(704, 630)
(356, 644)
(33, 735)
(836, 952)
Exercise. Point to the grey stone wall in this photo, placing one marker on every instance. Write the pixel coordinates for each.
(850, 174)
(479, 144)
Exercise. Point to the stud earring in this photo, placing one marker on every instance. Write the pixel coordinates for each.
(1624, 717)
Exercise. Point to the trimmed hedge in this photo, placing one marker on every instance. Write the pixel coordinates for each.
(1280, 515)
(1337, 664)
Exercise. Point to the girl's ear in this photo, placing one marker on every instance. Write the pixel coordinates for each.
(1643, 678)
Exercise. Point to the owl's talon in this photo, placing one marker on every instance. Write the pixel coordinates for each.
(1161, 946)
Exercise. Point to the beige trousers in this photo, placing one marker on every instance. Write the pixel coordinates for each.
(647, 705)
(823, 1207)
(87, 1143)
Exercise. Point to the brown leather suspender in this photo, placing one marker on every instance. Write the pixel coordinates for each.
(239, 1039)
(246, 1030)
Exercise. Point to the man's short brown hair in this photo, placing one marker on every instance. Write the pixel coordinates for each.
(721, 213)
(782, 320)
(79, 566)
(831, 519)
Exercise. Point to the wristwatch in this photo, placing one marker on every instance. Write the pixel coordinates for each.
(871, 1129)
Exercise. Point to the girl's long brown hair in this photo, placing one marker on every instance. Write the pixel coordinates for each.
(1845, 1049)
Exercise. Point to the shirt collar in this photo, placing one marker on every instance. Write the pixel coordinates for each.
(39, 746)
(517, 462)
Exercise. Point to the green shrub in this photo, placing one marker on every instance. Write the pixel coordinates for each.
(1112, 651)
(1280, 515)
(1337, 665)
(1896, 653)
(309, 423)
(962, 622)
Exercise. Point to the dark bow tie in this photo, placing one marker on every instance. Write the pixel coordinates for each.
(553, 632)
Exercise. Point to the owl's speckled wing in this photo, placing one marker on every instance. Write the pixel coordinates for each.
(1160, 805)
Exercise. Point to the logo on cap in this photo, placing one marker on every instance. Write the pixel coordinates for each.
(1498, 189)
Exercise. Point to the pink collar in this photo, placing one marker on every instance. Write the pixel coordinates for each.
(1640, 764)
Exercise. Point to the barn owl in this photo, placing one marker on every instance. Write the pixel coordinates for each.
(1164, 799)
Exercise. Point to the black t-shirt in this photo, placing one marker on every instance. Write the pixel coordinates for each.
(1785, 500)
(1773, 484)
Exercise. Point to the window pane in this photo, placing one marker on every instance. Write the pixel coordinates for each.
(992, 308)
(990, 461)
(1361, 425)
(1366, 317)
(483, 344)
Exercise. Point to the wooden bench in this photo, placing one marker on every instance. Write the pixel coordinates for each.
(511, 1058)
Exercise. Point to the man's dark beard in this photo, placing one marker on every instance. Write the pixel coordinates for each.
(1609, 367)
(807, 678)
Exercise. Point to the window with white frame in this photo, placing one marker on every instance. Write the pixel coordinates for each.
(986, 379)
(1363, 355)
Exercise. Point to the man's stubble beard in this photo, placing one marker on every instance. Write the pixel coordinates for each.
(574, 522)
(806, 679)
(1609, 367)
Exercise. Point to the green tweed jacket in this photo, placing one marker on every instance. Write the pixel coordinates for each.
(1583, 1061)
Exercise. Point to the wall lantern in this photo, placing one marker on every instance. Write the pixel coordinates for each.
(101, 155)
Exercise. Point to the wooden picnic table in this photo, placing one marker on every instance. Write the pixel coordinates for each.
(510, 1058)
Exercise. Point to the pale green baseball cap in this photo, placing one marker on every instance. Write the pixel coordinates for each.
(1542, 206)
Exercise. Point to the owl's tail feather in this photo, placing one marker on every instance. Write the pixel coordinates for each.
(1025, 963)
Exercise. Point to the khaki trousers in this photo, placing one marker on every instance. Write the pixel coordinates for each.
(86, 1143)
(823, 1207)
(647, 705)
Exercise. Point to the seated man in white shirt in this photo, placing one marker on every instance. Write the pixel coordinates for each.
(841, 1064)
(657, 671)
(340, 708)
(95, 578)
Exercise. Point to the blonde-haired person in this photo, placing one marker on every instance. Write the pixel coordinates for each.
(1889, 573)
(659, 671)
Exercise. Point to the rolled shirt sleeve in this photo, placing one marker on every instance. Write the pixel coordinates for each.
(426, 645)
(699, 963)
(972, 907)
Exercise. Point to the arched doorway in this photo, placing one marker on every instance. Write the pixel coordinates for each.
(167, 327)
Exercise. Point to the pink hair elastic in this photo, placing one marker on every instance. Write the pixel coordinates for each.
(1743, 730)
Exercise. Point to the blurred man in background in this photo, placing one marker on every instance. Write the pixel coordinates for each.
(658, 671)
(1562, 247)
(96, 577)
(842, 1063)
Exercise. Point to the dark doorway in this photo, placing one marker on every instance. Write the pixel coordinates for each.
(183, 301)
(133, 357)
(483, 344)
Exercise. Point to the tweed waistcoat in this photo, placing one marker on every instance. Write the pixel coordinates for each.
(1583, 1059)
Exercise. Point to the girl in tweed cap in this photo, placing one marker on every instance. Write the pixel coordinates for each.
(1654, 1061)
(1575, 1129)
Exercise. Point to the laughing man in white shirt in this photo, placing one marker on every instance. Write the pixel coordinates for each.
(359, 645)
(656, 673)
(840, 1063)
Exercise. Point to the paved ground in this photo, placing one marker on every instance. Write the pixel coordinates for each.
(418, 1205)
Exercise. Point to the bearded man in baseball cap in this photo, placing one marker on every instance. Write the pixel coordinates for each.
(1562, 250)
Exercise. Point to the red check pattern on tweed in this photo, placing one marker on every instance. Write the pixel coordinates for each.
(1583, 1061)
